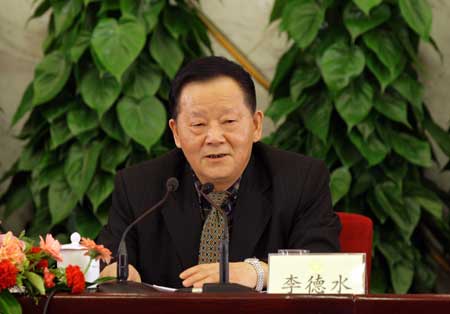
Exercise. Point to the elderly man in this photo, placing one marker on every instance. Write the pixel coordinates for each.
(273, 199)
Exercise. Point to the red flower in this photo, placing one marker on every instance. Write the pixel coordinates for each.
(43, 263)
(75, 279)
(48, 278)
(8, 274)
(36, 249)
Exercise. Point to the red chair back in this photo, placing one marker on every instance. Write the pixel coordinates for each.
(356, 237)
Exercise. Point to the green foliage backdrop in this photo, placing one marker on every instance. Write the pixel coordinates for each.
(97, 103)
(347, 92)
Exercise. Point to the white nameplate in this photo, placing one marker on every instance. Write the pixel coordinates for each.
(331, 273)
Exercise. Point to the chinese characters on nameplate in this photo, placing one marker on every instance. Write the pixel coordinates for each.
(335, 273)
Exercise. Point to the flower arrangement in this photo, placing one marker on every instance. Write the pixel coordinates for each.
(31, 269)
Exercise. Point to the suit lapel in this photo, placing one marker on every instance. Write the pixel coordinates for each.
(182, 217)
(252, 213)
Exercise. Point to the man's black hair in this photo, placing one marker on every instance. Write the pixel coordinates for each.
(208, 68)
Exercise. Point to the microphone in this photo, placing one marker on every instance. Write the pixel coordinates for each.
(122, 284)
(224, 271)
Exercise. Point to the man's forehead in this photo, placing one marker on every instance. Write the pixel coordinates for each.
(198, 111)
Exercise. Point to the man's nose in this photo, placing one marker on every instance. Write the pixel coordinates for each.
(214, 134)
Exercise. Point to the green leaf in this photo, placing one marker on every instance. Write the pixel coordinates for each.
(117, 44)
(130, 7)
(388, 50)
(61, 200)
(363, 183)
(402, 31)
(303, 77)
(366, 127)
(302, 20)
(401, 264)
(47, 175)
(367, 5)
(50, 76)
(393, 108)
(26, 104)
(37, 281)
(59, 133)
(176, 22)
(373, 150)
(412, 210)
(412, 90)
(417, 14)
(9, 303)
(315, 147)
(143, 79)
(113, 154)
(340, 182)
(284, 66)
(81, 119)
(16, 199)
(30, 157)
(143, 120)
(316, 115)
(381, 72)
(98, 64)
(427, 199)
(277, 9)
(151, 13)
(99, 92)
(405, 214)
(281, 107)
(395, 169)
(40, 10)
(441, 137)
(65, 13)
(340, 63)
(424, 277)
(376, 208)
(86, 223)
(55, 109)
(355, 102)
(80, 45)
(412, 149)
(166, 52)
(347, 153)
(80, 165)
(101, 187)
(110, 124)
(358, 23)
(108, 5)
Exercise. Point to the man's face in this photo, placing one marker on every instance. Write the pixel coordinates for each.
(216, 130)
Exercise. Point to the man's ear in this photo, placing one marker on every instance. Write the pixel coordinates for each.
(173, 127)
(258, 117)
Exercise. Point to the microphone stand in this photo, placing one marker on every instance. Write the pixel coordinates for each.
(224, 284)
(122, 285)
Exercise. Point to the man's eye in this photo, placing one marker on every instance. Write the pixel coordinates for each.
(197, 124)
(229, 121)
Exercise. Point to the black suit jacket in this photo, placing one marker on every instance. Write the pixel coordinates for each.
(283, 203)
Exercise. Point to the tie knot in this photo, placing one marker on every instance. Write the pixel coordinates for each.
(218, 198)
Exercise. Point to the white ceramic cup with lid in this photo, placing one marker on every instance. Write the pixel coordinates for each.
(73, 254)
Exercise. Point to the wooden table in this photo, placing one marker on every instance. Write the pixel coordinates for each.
(240, 303)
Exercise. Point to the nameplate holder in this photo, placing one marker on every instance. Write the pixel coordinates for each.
(317, 273)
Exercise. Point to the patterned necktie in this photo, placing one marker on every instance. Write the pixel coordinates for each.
(213, 229)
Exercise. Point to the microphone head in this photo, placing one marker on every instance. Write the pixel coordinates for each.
(172, 184)
(207, 188)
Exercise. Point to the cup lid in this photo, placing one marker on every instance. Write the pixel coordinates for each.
(75, 243)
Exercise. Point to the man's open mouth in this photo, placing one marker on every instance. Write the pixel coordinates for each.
(214, 156)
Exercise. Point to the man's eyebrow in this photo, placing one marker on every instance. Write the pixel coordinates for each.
(197, 113)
